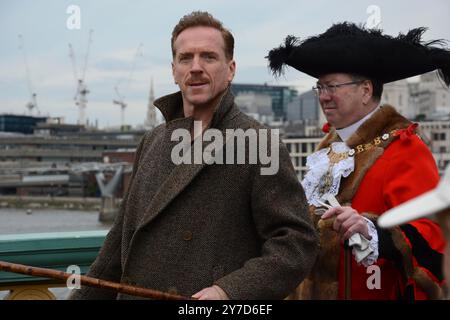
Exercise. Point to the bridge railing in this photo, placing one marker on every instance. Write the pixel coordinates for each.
(57, 250)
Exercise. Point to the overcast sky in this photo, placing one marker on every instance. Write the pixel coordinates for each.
(120, 26)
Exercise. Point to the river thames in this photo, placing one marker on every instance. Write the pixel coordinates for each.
(14, 221)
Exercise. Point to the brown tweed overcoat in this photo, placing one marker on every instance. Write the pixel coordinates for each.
(185, 227)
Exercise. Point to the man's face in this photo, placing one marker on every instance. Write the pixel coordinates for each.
(345, 106)
(200, 67)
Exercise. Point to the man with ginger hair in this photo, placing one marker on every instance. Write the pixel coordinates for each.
(210, 231)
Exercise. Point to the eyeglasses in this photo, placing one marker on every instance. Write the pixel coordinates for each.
(331, 89)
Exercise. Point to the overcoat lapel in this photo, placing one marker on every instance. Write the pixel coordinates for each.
(180, 177)
(183, 174)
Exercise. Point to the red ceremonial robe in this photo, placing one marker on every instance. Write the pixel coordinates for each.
(387, 173)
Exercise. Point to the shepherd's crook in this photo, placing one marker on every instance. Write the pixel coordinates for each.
(89, 281)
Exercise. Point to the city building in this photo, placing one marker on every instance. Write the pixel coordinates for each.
(19, 123)
(63, 161)
(54, 129)
(397, 95)
(304, 109)
(436, 135)
(256, 105)
(430, 98)
(299, 148)
(424, 99)
(66, 148)
(281, 96)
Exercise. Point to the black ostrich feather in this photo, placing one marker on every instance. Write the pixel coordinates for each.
(439, 55)
(278, 56)
(345, 29)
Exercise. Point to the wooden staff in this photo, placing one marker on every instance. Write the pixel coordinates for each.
(348, 271)
(89, 281)
(347, 254)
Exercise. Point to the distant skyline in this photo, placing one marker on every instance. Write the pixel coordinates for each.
(119, 27)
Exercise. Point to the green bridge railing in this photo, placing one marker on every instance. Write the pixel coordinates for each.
(57, 250)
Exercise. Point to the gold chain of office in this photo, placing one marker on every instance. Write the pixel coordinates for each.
(337, 157)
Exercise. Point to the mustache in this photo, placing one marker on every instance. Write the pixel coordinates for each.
(197, 80)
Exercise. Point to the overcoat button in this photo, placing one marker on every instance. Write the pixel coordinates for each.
(187, 235)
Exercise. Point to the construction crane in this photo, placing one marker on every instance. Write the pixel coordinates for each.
(82, 90)
(32, 104)
(121, 97)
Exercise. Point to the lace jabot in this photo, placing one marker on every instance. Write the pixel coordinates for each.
(325, 173)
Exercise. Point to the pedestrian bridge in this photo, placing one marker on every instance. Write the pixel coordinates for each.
(45, 250)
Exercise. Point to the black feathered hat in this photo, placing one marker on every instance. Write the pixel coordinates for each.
(348, 48)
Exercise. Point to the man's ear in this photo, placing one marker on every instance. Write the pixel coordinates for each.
(232, 70)
(173, 73)
(367, 87)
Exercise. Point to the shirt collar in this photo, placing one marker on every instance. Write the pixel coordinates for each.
(346, 132)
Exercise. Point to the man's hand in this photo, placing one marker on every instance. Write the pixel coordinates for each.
(211, 293)
(348, 222)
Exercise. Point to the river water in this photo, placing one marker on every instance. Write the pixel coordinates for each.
(14, 221)
(19, 221)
